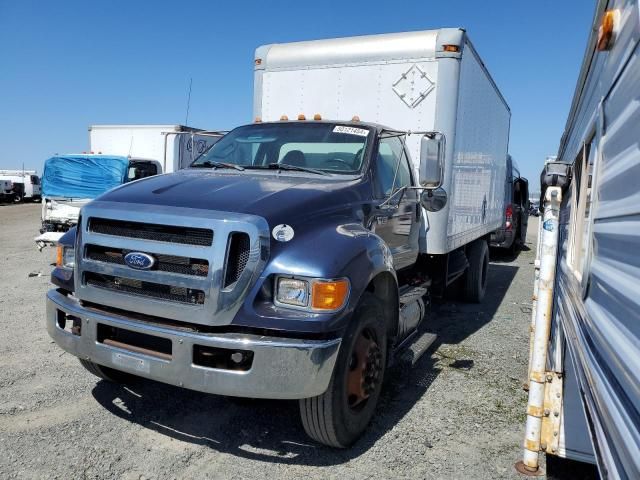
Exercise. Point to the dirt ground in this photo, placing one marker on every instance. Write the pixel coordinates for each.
(458, 413)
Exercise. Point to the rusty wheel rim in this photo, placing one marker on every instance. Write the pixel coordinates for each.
(365, 367)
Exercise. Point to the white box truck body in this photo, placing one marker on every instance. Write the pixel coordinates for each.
(169, 147)
(415, 81)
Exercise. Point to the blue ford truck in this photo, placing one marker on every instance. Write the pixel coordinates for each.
(294, 259)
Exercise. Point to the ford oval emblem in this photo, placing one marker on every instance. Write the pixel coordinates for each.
(139, 260)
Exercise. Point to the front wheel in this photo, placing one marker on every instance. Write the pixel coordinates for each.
(339, 416)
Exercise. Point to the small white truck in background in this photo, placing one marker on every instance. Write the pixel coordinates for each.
(26, 184)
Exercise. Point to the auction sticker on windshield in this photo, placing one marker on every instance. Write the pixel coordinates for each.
(361, 132)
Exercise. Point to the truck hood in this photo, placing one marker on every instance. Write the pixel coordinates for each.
(277, 197)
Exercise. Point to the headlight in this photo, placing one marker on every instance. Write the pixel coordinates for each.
(293, 292)
(314, 294)
(65, 257)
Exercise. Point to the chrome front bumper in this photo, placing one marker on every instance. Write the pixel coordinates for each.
(282, 368)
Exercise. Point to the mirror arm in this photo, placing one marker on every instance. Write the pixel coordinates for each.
(386, 202)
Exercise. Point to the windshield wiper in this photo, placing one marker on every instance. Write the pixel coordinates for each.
(210, 164)
(286, 166)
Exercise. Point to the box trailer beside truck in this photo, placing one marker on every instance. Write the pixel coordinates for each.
(166, 148)
(584, 368)
(296, 257)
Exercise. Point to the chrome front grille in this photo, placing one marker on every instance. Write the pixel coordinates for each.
(152, 231)
(144, 289)
(165, 263)
(205, 261)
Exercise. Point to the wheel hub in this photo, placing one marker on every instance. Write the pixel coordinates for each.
(364, 369)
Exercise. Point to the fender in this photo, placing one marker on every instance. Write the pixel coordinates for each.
(325, 251)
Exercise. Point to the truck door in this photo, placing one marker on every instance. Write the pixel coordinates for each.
(398, 227)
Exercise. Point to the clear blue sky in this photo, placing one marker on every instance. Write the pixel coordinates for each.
(68, 64)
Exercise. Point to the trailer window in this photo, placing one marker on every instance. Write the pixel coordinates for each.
(580, 238)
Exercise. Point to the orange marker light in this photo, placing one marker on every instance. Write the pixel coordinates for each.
(329, 295)
(451, 48)
(317, 117)
(605, 32)
(284, 118)
(355, 118)
(302, 117)
(257, 120)
(59, 256)
(258, 61)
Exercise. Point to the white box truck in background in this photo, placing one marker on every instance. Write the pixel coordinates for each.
(163, 148)
(430, 80)
(147, 149)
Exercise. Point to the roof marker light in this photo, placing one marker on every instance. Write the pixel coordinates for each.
(317, 117)
(302, 117)
(355, 118)
(606, 30)
(284, 118)
(257, 120)
(451, 48)
(258, 61)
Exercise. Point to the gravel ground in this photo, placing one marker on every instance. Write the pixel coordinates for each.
(458, 413)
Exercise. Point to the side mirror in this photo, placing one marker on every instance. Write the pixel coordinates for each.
(432, 148)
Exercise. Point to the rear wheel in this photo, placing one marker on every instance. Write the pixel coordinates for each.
(475, 278)
(106, 373)
(340, 415)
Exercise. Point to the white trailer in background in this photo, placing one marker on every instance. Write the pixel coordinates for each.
(156, 148)
(430, 80)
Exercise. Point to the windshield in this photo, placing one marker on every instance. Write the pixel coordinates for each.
(328, 147)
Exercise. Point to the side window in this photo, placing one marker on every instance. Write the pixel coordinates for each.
(580, 233)
(390, 158)
(141, 170)
(35, 180)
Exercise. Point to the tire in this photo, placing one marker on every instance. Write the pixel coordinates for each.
(475, 278)
(106, 373)
(338, 417)
(17, 197)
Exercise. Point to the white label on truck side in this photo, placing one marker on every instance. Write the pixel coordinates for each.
(361, 132)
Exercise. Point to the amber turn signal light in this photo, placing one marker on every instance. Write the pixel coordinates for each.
(329, 295)
(59, 256)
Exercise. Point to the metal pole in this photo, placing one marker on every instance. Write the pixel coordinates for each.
(537, 374)
(534, 299)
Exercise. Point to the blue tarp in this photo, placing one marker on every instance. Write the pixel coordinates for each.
(82, 176)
